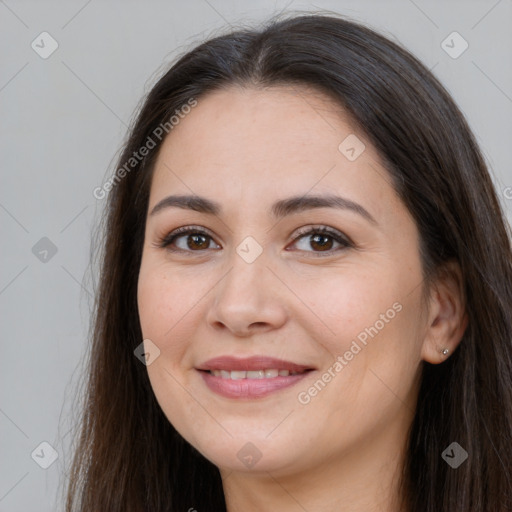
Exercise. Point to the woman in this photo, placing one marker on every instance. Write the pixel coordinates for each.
(306, 294)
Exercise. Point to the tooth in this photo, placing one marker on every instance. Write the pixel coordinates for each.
(252, 374)
(257, 374)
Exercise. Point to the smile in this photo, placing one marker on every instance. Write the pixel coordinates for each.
(251, 377)
(253, 374)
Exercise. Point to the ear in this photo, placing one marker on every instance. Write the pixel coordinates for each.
(447, 319)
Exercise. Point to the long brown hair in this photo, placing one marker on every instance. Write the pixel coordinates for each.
(129, 458)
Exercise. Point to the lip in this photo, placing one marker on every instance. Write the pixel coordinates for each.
(250, 388)
(251, 363)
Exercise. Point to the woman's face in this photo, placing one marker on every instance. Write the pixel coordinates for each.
(255, 279)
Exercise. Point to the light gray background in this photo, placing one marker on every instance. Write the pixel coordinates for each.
(62, 122)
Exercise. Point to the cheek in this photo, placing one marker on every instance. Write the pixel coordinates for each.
(172, 309)
(165, 303)
(380, 357)
(371, 319)
(155, 308)
(370, 377)
(163, 295)
(343, 302)
(166, 308)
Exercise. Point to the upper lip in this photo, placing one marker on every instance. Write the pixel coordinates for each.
(251, 363)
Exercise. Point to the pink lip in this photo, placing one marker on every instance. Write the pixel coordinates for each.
(251, 363)
(250, 388)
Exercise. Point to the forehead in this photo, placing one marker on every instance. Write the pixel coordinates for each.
(264, 142)
(255, 123)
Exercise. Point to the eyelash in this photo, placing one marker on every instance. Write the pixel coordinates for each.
(346, 243)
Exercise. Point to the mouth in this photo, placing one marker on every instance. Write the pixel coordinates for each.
(253, 377)
(253, 374)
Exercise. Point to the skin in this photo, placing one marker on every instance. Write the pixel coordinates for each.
(247, 148)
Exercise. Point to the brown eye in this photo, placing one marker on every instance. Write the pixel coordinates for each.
(195, 240)
(322, 242)
(322, 239)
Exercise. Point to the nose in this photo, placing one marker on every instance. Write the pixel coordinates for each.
(248, 299)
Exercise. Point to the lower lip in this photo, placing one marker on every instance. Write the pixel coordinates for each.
(249, 388)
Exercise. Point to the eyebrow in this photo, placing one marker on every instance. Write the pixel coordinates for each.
(280, 209)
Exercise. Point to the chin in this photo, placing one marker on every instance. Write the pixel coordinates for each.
(250, 454)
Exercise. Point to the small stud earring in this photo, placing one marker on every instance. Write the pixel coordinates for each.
(444, 351)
